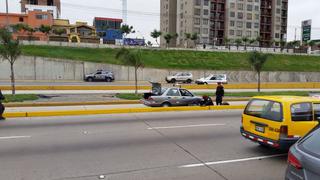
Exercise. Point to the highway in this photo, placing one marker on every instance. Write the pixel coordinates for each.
(203, 145)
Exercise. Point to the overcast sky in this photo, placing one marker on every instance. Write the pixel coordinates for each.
(144, 14)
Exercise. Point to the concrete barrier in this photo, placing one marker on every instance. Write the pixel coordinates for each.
(117, 111)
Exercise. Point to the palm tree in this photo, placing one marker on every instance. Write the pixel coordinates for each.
(226, 42)
(252, 41)
(156, 34)
(238, 43)
(282, 44)
(256, 61)
(273, 43)
(187, 37)
(194, 38)
(45, 29)
(131, 58)
(168, 38)
(126, 30)
(245, 40)
(259, 40)
(10, 50)
(311, 43)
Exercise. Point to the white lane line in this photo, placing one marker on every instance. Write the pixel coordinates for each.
(14, 137)
(188, 126)
(231, 161)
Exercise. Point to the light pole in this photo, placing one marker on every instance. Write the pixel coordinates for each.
(7, 14)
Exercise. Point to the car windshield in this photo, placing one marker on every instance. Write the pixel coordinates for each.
(311, 143)
(264, 109)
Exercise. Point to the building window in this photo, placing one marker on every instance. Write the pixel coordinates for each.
(197, 21)
(249, 7)
(205, 21)
(205, 31)
(50, 2)
(205, 12)
(256, 8)
(35, 2)
(248, 33)
(277, 35)
(240, 15)
(232, 23)
(197, 12)
(239, 24)
(232, 5)
(240, 6)
(206, 2)
(249, 25)
(239, 33)
(249, 16)
(232, 14)
(20, 19)
(256, 25)
(231, 32)
(198, 2)
(41, 16)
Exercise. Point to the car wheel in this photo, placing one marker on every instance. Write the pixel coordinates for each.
(108, 79)
(189, 81)
(166, 104)
(90, 79)
(205, 83)
(173, 80)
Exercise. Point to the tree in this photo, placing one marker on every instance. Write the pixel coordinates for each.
(126, 30)
(59, 31)
(45, 29)
(194, 38)
(245, 41)
(10, 50)
(30, 31)
(252, 41)
(274, 42)
(149, 43)
(226, 42)
(156, 34)
(311, 43)
(238, 43)
(256, 61)
(282, 45)
(168, 38)
(259, 40)
(131, 58)
(187, 37)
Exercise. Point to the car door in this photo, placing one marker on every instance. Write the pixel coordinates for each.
(174, 97)
(98, 76)
(213, 80)
(180, 76)
(303, 118)
(187, 97)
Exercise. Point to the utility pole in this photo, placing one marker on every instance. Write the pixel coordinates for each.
(7, 14)
(215, 39)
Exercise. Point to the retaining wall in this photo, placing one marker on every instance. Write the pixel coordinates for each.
(49, 69)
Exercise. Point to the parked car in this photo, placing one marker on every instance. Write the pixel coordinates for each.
(213, 79)
(167, 97)
(184, 77)
(100, 75)
(304, 157)
(279, 121)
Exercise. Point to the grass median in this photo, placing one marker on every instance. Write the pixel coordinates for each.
(20, 98)
(233, 94)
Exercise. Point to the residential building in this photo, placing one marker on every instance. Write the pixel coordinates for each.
(33, 19)
(52, 6)
(108, 29)
(168, 21)
(225, 19)
(78, 32)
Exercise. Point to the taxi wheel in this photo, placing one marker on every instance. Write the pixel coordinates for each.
(263, 145)
(166, 105)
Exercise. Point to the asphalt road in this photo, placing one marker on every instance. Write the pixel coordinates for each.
(154, 146)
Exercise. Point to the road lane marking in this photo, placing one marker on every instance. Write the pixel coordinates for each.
(231, 161)
(188, 126)
(14, 137)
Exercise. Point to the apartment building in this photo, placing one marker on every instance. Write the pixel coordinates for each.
(168, 20)
(215, 20)
(51, 6)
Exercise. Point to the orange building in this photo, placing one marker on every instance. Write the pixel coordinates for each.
(33, 19)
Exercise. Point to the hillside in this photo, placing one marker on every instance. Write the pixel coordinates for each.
(172, 59)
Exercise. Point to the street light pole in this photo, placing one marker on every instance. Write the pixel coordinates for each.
(7, 14)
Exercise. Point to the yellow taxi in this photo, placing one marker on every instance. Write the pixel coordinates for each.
(279, 121)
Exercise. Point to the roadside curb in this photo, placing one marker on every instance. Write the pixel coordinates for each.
(295, 85)
(85, 103)
(117, 111)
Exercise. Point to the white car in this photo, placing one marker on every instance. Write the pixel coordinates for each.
(185, 77)
(213, 79)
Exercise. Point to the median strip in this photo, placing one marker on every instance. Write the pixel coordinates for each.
(118, 111)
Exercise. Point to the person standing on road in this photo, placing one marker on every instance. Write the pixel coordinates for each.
(219, 93)
(2, 108)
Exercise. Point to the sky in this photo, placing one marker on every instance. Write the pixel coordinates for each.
(144, 15)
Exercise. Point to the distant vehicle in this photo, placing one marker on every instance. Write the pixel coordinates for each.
(184, 77)
(279, 121)
(167, 97)
(100, 75)
(304, 158)
(213, 79)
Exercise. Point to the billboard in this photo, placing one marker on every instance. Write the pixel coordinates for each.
(306, 30)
